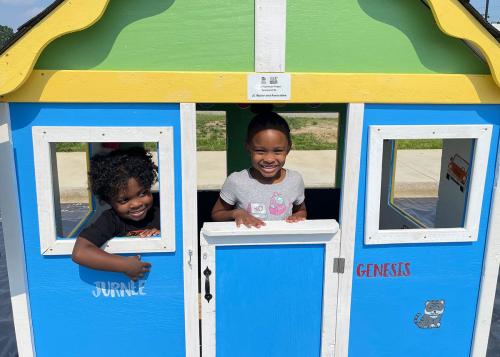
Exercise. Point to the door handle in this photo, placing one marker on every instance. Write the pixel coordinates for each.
(207, 274)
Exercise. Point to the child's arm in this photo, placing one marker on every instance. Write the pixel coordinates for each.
(223, 211)
(299, 213)
(87, 254)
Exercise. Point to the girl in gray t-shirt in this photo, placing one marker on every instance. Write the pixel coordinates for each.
(266, 191)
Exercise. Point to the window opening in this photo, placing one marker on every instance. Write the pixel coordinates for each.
(60, 163)
(315, 140)
(425, 182)
(211, 148)
(72, 201)
(75, 206)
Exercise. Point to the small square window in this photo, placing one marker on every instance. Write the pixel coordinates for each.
(62, 213)
(425, 183)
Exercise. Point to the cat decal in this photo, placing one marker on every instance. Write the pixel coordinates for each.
(433, 313)
(277, 205)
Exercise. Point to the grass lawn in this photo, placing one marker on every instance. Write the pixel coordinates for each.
(308, 133)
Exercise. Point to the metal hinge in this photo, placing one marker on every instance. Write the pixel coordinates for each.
(338, 265)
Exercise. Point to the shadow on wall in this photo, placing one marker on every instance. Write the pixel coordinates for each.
(97, 41)
(417, 23)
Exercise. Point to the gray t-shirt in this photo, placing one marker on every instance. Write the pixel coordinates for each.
(269, 202)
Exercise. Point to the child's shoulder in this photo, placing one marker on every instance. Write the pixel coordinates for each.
(293, 175)
(239, 176)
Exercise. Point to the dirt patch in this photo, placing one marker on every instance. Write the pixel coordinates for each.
(320, 131)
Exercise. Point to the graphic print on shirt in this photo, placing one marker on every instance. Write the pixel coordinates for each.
(138, 232)
(258, 210)
(277, 205)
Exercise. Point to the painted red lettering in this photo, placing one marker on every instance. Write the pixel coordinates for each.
(386, 268)
(393, 269)
(368, 270)
(360, 271)
(407, 269)
(383, 270)
(399, 269)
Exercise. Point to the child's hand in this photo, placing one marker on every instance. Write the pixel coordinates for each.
(135, 268)
(243, 217)
(149, 233)
(295, 218)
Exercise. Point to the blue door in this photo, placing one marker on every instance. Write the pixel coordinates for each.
(270, 291)
(77, 311)
(419, 250)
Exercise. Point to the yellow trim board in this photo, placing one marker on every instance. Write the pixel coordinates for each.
(231, 87)
(18, 61)
(454, 20)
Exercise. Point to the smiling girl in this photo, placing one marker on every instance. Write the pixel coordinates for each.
(123, 179)
(266, 191)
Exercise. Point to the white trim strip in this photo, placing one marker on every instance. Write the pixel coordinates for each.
(229, 229)
(469, 233)
(13, 238)
(208, 326)
(43, 136)
(349, 206)
(4, 133)
(190, 228)
(489, 276)
(270, 35)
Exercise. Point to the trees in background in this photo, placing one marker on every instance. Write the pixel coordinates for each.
(5, 33)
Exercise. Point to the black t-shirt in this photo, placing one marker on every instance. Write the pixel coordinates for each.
(110, 225)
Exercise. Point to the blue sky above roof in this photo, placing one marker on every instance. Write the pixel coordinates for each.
(493, 9)
(14, 13)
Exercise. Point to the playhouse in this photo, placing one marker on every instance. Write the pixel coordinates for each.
(360, 277)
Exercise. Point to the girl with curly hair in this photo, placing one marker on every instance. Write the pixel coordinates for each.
(123, 179)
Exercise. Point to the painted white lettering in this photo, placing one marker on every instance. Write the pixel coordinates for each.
(114, 289)
(125, 289)
(97, 290)
(132, 289)
(142, 285)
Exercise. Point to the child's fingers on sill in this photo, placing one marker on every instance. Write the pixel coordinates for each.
(294, 219)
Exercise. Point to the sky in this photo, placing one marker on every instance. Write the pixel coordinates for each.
(14, 13)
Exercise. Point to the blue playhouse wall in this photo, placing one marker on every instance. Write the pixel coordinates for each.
(70, 315)
(383, 309)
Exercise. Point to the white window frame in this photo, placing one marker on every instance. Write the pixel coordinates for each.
(469, 233)
(215, 234)
(43, 136)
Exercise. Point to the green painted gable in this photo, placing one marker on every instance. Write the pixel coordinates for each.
(344, 36)
(372, 36)
(149, 35)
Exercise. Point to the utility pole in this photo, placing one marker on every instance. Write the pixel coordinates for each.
(486, 10)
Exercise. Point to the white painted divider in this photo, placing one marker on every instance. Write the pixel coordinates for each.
(273, 233)
(13, 238)
(270, 35)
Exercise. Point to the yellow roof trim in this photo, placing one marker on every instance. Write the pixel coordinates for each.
(454, 20)
(231, 87)
(16, 64)
(18, 61)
